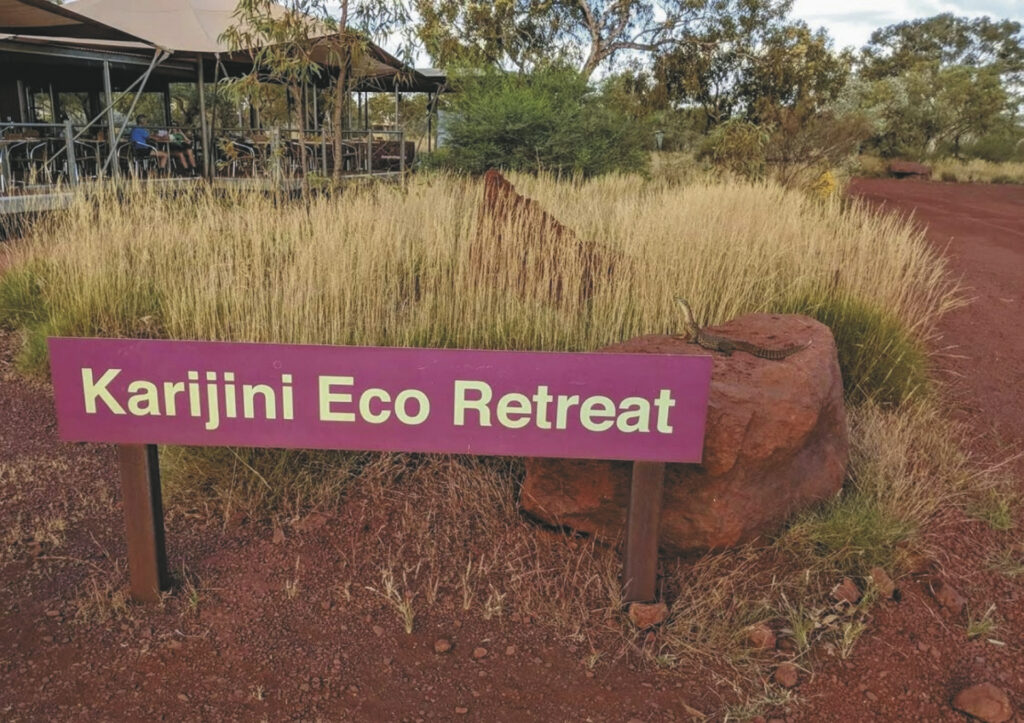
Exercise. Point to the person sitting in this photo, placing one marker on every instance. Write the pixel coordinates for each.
(181, 147)
(141, 145)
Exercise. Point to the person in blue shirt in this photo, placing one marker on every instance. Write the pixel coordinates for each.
(142, 147)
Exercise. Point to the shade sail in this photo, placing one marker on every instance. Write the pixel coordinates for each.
(44, 18)
(187, 26)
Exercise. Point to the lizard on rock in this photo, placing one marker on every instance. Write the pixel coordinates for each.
(727, 346)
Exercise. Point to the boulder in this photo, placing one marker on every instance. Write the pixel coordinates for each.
(776, 441)
(907, 169)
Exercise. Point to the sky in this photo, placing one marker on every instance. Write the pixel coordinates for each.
(851, 23)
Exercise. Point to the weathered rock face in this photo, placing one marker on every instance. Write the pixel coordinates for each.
(776, 442)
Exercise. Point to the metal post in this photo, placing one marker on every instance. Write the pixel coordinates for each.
(369, 151)
(397, 120)
(54, 110)
(401, 155)
(323, 151)
(144, 520)
(430, 122)
(204, 129)
(108, 91)
(69, 152)
(642, 519)
(22, 103)
(167, 103)
(275, 154)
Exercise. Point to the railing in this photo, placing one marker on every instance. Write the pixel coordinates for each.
(287, 153)
(35, 157)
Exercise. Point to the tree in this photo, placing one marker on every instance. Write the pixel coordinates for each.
(747, 59)
(548, 120)
(521, 33)
(945, 41)
(940, 80)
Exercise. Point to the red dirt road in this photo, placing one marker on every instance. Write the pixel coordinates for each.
(268, 628)
(915, 658)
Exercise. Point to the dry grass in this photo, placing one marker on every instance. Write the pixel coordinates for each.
(977, 171)
(388, 267)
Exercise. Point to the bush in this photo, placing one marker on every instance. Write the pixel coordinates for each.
(738, 146)
(880, 359)
(550, 120)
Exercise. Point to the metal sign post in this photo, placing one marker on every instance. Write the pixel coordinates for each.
(640, 567)
(144, 520)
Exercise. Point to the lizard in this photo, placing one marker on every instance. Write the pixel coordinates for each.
(727, 346)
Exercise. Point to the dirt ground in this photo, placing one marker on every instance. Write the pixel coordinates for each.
(262, 625)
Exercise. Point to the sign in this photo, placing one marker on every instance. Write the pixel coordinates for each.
(639, 407)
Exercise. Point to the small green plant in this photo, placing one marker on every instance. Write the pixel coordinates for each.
(995, 508)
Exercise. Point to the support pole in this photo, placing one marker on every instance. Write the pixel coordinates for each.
(69, 152)
(204, 128)
(108, 92)
(167, 103)
(144, 520)
(643, 516)
(22, 103)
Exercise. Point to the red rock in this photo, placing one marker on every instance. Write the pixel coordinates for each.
(985, 702)
(646, 615)
(947, 596)
(442, 645)
(846, 591)
(760, 636)
(903, 169)
(479, 653)
(776, 442)
(886, 587)
(787, 675)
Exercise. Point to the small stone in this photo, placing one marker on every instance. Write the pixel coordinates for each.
(442, 645)
(278, 536)
(53, 613)
(871, 696)
(378, 630)
(787, 675)
(183, 698)
(923, 647)
(985, 702)
(647, 615)
(461, 710)
(589, 673)
(846, 591)
(510, 650)
(947, 596)
(760, 636)
(886, 587)
(479, 653)
(174, 645)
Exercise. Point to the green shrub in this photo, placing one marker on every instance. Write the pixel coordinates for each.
(738, 146)
(550, 120)
(22, 302)
(880, 359)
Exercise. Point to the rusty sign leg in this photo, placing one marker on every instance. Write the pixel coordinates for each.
(642, 519)
(144, 520)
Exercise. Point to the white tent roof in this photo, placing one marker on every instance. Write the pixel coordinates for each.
(190, 26)
(42, 17)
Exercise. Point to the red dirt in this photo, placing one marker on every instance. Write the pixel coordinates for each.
(250, 651)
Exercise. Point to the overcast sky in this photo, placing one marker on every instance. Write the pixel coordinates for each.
(850, 23)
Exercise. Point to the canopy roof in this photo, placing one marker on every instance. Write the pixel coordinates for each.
(42, 17)
(186, 26)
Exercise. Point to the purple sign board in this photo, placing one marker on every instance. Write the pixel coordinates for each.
(641, 407)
